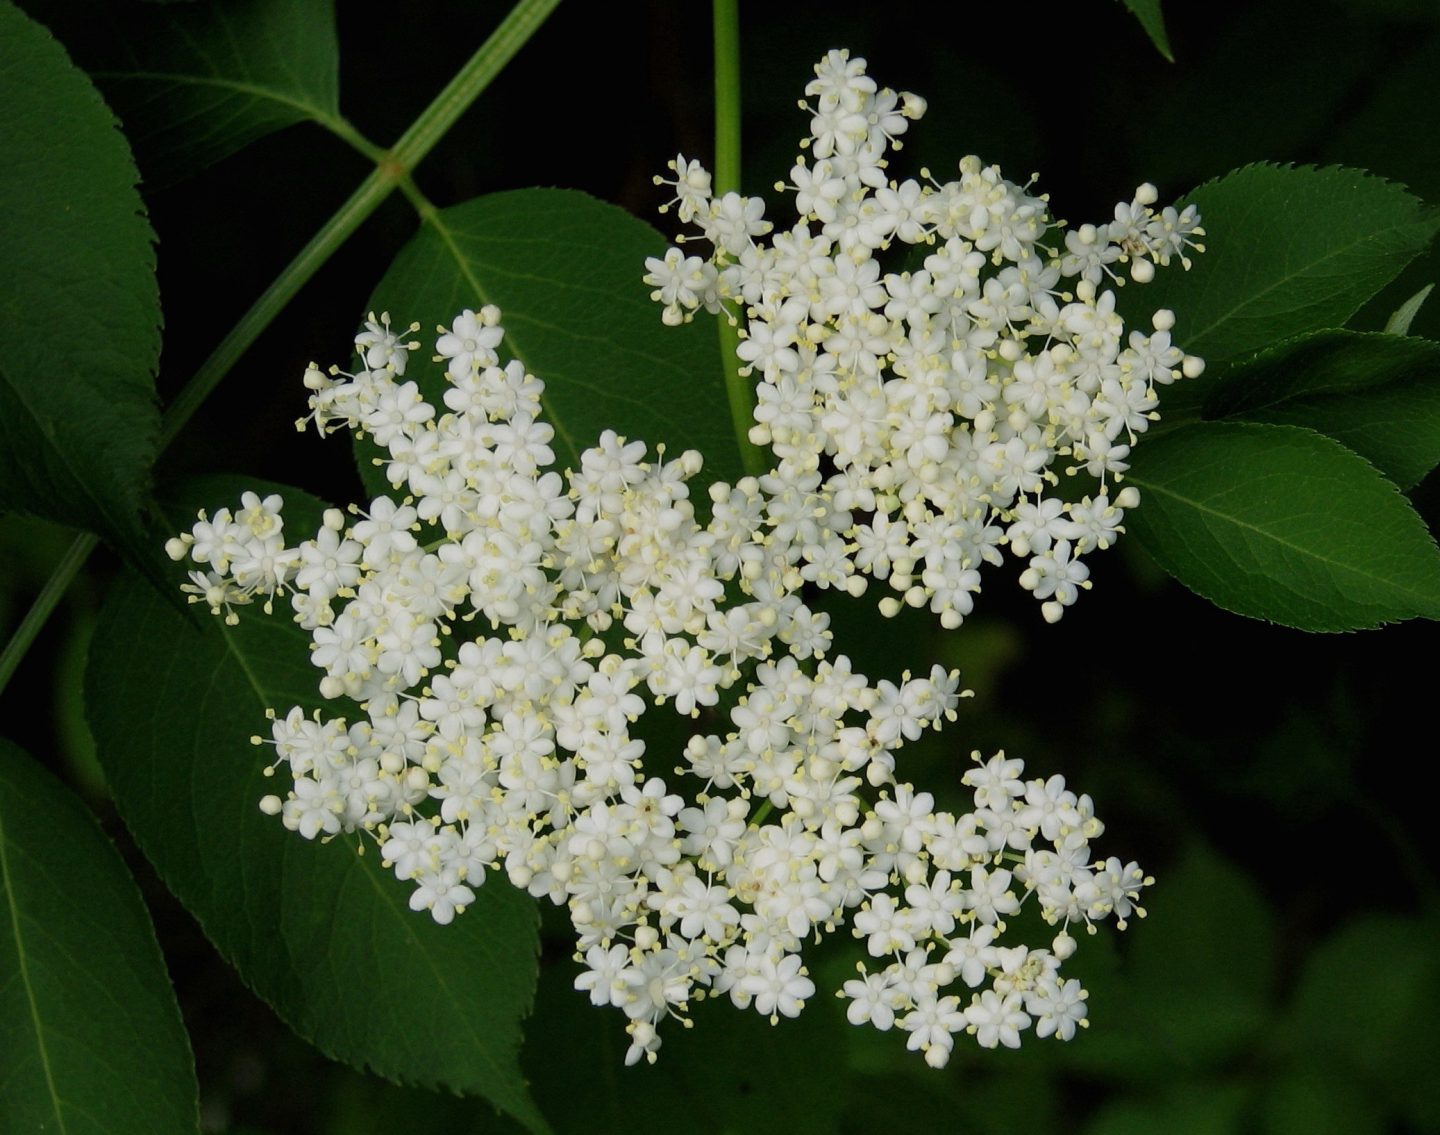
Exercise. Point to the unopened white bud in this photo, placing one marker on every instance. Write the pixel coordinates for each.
(393, 763)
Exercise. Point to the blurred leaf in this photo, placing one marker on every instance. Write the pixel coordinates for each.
(194, 84)
(992, 1100)
(78, 421)
(72, 732)
(1394, 107)
(1280, 523)
(1153, 21)
(368, 1106)
(1306, 73)
(1209, 922)
(732, 1072)
(1304, 767)
(1192, 1109)
(565, 270)
(90, 1035)
(1194, 990)
(322, 934)
(1308, 1103)
(1365, 1012)
(1399, 323)
(29, 549)
(1287, 250)
(1020, 1092)
(1374, 393)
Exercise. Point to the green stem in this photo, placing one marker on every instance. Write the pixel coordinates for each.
(392, 169)
(514, 31)
(364, 201)
(50, 595)
(347, 133)
(727, 96)
(726, 178)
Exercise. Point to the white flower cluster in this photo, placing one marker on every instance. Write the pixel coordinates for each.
(502, 659)
(937, 400)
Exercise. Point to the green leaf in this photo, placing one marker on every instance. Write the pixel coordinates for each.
(321, 933)
(194, 84)
(565, 270)
(1377, 394)
(1287, 250)
(1280, 523)
(78, 422)
(1364, 1012)
(1153, 21)
(1308, 1102)
(1404, 315)
(90, 1035)
(1206, 919)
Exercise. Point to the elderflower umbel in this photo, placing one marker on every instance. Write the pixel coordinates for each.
(503, 625)
(922, 413)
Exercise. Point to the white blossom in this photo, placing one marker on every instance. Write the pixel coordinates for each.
(503, 624)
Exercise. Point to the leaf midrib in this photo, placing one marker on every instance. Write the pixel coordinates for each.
(24, 967)
(462, 262)
(324, 116)
(1427, 602)
(1196, 337)
(121, 520)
